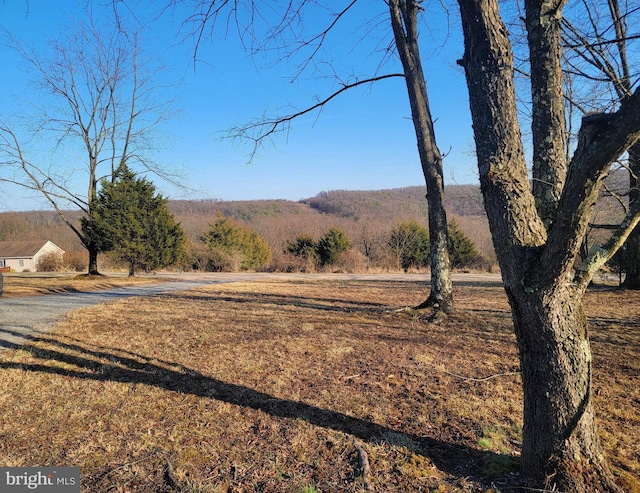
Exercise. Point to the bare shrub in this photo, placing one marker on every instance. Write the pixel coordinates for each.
(350, 261)
(286, 262)
(49, 262)
(196, 256)
(219, 261)
(76, 261)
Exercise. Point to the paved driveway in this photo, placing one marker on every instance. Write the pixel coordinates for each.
(22, 318)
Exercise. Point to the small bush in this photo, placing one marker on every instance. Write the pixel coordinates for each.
(409, 243)
(287, 262)
(350, 261)
(303, 247)
(196, 256)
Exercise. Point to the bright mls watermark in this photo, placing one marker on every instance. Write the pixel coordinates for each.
(40, 479)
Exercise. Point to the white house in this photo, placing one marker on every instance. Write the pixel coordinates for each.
(23, 256)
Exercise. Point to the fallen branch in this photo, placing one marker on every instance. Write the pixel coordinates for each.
(363, 464)
(169, 478)
(349, 377)
(484, 379)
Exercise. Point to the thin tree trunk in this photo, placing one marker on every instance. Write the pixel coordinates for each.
(404, 22)
(632, 253)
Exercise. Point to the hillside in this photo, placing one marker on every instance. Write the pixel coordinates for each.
(462, 200)
(367, 217)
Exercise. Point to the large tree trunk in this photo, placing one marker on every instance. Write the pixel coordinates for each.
(561, 448)
(93, 262)
(537, 247)
(404, 16)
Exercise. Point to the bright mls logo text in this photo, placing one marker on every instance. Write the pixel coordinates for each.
(31, 481)
(49, 479)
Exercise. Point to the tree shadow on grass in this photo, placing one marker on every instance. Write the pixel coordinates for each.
(314, 303)
(117, 365)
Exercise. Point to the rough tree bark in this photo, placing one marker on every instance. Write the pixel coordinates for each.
(404, 16)
(548, 128)
(93, 262)
(537, 237)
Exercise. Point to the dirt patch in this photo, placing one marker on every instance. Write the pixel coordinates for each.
(282, 387)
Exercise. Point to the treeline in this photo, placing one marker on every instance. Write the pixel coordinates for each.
(367, 219)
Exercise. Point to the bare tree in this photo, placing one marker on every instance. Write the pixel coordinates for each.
(597, 54)
(404, 21)
(101, 108)
(287, 36)
(538, 234)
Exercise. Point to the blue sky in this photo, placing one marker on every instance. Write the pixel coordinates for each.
(362, 140)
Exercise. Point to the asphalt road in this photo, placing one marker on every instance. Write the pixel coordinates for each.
(26, 317)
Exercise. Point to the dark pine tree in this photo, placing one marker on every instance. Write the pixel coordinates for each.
(409, 241)
(331, 245)
(461, 248)
(134, 224)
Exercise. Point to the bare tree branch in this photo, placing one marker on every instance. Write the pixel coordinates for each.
(599, 255)
(258, 131)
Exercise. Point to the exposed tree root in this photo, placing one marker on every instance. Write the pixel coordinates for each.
(575, 477)
(443, 306)
(90, 275)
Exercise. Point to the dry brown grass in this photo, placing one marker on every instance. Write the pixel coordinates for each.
(273, 386)
(16, 285)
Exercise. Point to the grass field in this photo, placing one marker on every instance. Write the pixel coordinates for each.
(299, 387)
(16, 285)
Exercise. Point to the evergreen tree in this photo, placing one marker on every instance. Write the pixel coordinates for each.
(133, 223)
(332, 244)
(461, 248)
(409, 242)
(234, 247)
(304, 247)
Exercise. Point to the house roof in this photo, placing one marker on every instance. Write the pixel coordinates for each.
(16, 249)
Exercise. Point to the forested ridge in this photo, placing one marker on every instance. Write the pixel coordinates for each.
(362, 215)
(366, 216)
